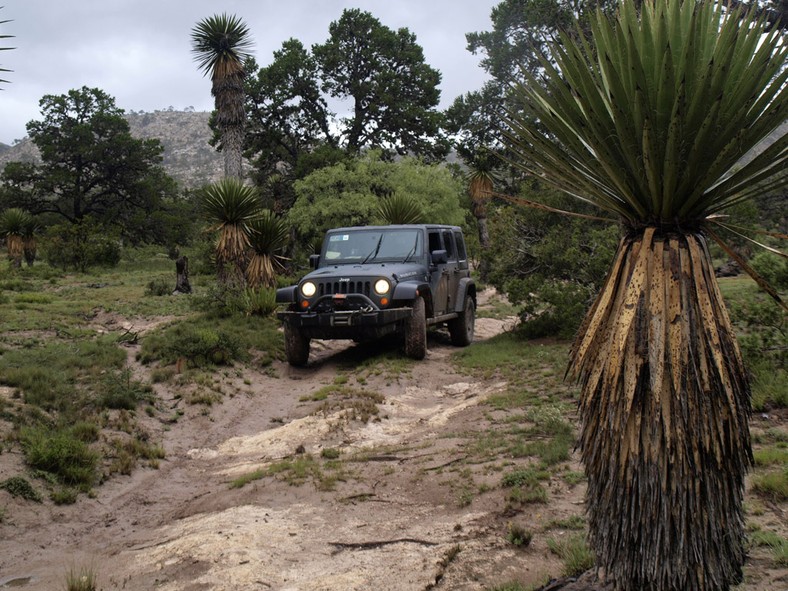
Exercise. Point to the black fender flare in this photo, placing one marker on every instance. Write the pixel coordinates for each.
(409, 291)
(466, 288)
(287, 295)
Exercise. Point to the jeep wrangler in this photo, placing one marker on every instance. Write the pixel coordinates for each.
(371, 281)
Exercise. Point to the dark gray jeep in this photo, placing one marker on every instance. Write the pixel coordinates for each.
(370, 281)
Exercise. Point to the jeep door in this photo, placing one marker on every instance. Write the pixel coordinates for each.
(452, 269)
(443, 281)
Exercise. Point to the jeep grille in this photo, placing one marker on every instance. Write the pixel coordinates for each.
(332, 287)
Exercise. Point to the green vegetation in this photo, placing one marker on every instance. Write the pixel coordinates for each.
(81, 579)
(574, 552)
(19, 486)
(297, 471)
(772, 485)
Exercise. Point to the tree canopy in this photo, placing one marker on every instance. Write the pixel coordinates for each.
(379, 74)
(90, 165)
(349, 193)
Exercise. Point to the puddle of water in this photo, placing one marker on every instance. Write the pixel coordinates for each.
(15, 582)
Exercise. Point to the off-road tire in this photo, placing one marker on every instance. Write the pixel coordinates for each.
(416, 331)
(461, 328)
(296, 346)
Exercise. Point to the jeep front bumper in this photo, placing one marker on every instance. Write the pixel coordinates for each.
(347, 324)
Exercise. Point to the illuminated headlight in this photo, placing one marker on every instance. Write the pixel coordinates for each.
(382, 286)
(308, 289)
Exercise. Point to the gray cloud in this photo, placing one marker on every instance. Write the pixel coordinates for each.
(139, 52)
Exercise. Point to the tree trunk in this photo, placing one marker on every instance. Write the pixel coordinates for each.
(182, 284)
(665, 405)
(484, 242)
(232, 147)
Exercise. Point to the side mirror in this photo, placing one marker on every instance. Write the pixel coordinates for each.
(439, 257)
(314, 260)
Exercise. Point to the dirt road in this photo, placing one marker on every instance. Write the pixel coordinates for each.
(361, 494)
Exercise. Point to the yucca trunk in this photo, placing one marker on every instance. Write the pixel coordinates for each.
(231, 254)
(664, 407)
(260, 271)
(15, 246)
(30, 249)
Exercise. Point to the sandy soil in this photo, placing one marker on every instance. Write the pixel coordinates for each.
(393, 524)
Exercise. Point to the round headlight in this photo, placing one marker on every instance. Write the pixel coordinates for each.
(382, 286)
(308, 289)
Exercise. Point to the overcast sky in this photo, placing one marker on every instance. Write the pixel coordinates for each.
(139, 51)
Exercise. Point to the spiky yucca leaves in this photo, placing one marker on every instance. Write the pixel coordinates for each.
(220, 45)
(229, 206)
(660, 118)
(268, 235)
(5, 48)
(13, 223)
(400, 209)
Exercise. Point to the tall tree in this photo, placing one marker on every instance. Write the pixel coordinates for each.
(394, 93)
(220, 44)
(91, 165)
(659, 118)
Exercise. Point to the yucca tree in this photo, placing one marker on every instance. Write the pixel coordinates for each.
(229, 206)
(13, 222)
(268, 235)
(221, 44)
(659, 117)
(400, 209)
(480, 186)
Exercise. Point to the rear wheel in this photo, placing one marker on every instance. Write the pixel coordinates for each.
(461, 328)
(416, 331)
(296, 346)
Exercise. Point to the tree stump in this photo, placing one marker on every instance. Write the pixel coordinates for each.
(182, 284)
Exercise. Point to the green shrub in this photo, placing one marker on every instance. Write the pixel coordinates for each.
(79, 246)
(119, 391)
(258, 302)
(159, 286)
(60, 453)
(199, 345)
(19, 486)
(772, 268)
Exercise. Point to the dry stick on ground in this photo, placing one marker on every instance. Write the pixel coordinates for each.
(378, 544)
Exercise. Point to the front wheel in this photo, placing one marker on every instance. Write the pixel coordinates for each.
(416, 331)
(296, 346)
(461, 328)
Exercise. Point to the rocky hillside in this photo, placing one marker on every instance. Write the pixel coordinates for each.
(188, 157)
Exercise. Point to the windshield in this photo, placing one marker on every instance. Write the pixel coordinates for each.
(365, 246)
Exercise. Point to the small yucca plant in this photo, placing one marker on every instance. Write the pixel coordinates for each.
(229, 206)
(400, 209)
(664, 118)
(268, 235)
(13, 223)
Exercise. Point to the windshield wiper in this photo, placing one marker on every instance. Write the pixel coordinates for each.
(412, 250)
(374, 253)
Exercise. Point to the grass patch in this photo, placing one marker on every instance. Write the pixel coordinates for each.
(59, 452)
(297, 471)
(82, 579)
(771, 456)
(773, 485)
(776, 543)
(573, 550)
(519, 536)
(19, 486)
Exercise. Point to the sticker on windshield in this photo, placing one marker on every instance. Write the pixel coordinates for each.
(338, 237)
